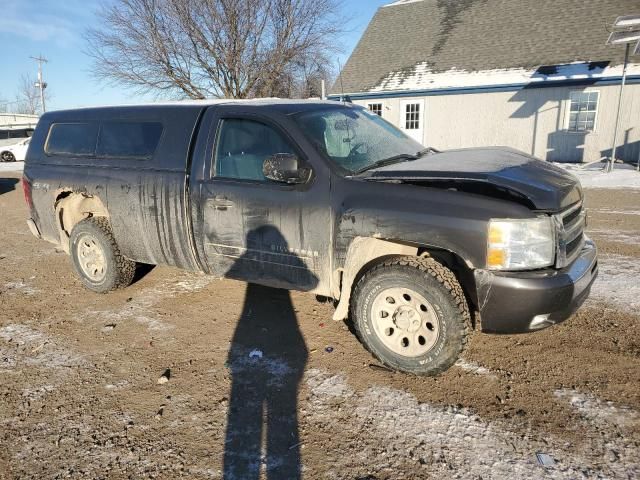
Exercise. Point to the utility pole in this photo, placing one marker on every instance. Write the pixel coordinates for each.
(612, 160)
(625, 31)
(40, 83)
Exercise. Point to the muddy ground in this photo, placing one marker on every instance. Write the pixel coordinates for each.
(80, 398)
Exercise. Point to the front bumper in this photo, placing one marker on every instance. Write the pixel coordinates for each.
(519, 302)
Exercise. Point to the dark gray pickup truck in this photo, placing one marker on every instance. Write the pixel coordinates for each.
(416, 246)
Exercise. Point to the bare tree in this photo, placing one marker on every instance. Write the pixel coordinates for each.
(28, 97)
(219, 48)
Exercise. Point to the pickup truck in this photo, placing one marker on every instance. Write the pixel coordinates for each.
(415, 247)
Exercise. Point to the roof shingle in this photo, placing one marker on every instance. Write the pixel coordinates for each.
(479, 35)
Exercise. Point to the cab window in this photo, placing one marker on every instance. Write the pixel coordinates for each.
(128, 139)
(243, 145)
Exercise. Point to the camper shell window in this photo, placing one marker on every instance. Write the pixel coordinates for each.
(137, 140)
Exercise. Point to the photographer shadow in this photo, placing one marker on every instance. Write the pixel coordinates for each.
(267, 359)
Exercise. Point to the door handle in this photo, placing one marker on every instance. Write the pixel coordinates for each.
(220, 202)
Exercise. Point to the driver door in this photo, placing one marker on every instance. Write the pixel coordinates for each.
(259, 230)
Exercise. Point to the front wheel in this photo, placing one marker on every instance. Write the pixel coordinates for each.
(411, 314)
(96, 257)
(7, 157)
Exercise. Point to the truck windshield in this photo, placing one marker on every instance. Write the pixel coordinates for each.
(357, 139)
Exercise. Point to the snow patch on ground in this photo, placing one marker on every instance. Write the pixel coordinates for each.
(243, 366)
(456, 443)
(596, 410)
(618, 281)
(325, 386)
(140, 308)
(25, 345)
(33, 394)
(618, 236)
(21, 287)
(11, 166)
(122, 384)
(593, 176)
(611, 211)
(475, 368)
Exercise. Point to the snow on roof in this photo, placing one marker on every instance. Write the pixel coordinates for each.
(401, 2)
(211, 102)
(421, 77)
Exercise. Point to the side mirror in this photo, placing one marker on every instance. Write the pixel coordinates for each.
(285, 168)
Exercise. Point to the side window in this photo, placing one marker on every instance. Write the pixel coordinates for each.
(128, 139)
(242, 147)
(376, 108)
(72, 139)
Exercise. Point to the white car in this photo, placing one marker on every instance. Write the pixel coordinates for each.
(15, 152)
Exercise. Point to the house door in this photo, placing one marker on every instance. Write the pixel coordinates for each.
(412, 116)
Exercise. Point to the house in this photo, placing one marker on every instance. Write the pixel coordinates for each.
(535, 75)
(16, 126)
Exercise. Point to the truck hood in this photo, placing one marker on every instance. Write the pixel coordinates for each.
(545, 186)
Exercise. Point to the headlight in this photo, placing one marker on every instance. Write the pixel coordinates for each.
(520, 244)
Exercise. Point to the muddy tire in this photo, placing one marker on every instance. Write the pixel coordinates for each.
(411, 314)
(96, 257)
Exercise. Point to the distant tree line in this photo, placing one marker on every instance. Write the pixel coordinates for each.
(217, 48)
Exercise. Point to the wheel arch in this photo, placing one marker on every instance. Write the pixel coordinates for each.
(365, 253)
(73, 207)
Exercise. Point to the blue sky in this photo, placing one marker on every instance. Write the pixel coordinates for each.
(54, 28)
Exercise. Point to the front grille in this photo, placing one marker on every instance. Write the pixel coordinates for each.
(573, 245)
(569, 218)
(570, 234)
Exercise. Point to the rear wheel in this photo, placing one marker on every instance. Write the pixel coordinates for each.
(7, 157)
(411, 314)
(96, 257)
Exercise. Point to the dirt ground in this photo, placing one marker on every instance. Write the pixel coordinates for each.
(250, 388)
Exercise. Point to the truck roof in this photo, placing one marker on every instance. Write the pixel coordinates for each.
(286, 106)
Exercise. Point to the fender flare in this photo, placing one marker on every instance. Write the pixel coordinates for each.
(71, 208)
(362, 251)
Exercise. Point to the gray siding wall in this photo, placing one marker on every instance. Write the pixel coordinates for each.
(532, 120)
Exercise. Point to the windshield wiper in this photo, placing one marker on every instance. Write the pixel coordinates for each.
(403, 157)
(427, 151)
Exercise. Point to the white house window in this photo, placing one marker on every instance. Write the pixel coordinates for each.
(376, 108)
(582, 111)
(412, 116)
